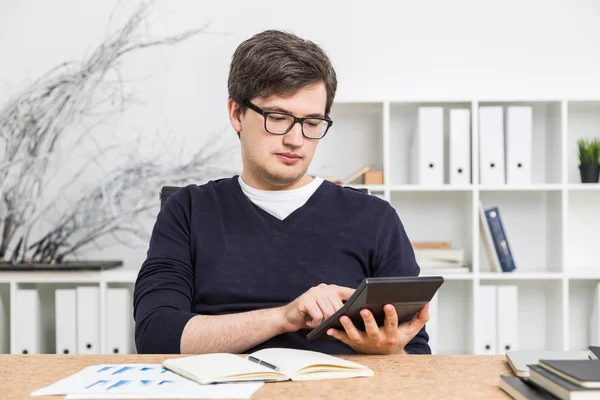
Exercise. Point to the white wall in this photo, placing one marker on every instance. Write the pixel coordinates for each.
(402, 49)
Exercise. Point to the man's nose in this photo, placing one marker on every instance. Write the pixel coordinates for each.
(294, 137)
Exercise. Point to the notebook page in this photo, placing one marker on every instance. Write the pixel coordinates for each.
(216, 366)
(290, 361)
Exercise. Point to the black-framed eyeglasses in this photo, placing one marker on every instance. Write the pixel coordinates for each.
(280, 123)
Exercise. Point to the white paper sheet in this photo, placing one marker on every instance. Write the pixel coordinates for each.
(133, 381)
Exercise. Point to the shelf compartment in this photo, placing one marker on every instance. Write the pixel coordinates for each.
(356, 136)
(540, 317)
(582, 236)
(403, 127)
(581, 298)
(533, 226)
(583, 122)
(454, 318)
(46, 312)
(443, 217)
(546, 136)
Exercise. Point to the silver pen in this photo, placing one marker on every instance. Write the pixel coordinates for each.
(260, 362)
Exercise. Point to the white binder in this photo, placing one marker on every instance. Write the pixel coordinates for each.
(491, 146)
(88, 320)
(427, 155)
(508, 318)
(28, 338)
(460, 147)
(66, 321)
(432, 326)
(518, 145)
(119, 321)
(487, 338)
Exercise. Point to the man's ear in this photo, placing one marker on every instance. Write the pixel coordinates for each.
(235, 115)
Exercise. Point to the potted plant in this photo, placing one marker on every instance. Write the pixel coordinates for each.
(589, 159)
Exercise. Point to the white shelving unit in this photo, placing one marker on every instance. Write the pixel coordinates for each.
(552, 225)
(46, 283)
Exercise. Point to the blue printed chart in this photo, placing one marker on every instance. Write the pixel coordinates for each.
(140, 381)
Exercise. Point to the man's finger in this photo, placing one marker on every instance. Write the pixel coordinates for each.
(326, 307)
(315, 314)
(335, 302)
(391, 318)
(354, 334)
(370, 325)
(343, 292)
(341, 336)
(418, 322)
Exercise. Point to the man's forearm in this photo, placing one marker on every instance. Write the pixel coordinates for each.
(231, 333)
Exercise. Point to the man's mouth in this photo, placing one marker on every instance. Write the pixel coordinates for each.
(289, 155)
(289, 158)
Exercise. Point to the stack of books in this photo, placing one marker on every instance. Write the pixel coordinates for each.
(558, 378)
(439, 258)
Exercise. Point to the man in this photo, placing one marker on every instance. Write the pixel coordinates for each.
(257, 260)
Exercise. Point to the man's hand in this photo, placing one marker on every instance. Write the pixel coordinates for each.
(388, 339)
(314, 306)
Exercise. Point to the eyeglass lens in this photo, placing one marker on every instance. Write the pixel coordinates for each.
(281, 123)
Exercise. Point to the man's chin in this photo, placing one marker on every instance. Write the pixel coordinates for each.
(284, 178)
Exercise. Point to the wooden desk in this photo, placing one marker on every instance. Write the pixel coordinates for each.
(396, 377)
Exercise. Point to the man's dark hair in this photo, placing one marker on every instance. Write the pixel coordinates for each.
(278, 63)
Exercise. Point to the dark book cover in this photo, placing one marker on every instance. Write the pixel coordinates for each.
(507, 262)
(555, 384)
(585, 373)
(520, 389)
(594, 352)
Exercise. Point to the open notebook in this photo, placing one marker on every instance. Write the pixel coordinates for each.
(277, 364)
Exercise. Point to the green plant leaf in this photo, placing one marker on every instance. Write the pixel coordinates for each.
(588, 151)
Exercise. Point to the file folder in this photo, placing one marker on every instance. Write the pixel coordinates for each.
(28, 338)
(487, 337)
(519, 145)
(119, 321)
(88, 320)
(66, 321)
(508, 321)
(427, 155)
(460, 147)
(491, 146)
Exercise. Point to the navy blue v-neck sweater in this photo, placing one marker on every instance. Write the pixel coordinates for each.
(213, 252)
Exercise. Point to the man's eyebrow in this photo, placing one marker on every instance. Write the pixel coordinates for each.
(283, 110)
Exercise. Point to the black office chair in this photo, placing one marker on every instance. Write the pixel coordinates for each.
(166, 191)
